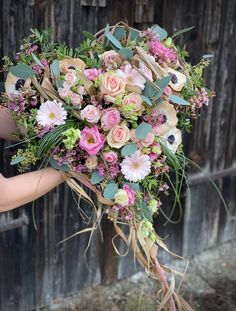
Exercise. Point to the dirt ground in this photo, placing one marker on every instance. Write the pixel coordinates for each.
(208, 285)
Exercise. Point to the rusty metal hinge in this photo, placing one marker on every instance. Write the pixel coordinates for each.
(14, 223)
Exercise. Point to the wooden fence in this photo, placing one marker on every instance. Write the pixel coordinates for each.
(34, 268)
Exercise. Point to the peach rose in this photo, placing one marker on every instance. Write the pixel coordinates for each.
(118, 136)
(135, 101)
(111, 86)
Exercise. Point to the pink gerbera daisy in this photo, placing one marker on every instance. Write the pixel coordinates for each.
(51, 113)
(132, 76)
(136, 166)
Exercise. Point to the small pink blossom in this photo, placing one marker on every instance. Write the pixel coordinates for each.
(91, 140)
(160, 51)
(64, 92)
(92, 73)
(110, 118)
(168, 90)
(70, 78)
(75, 99)
(131, 194)
(81, 90)
(111, 157)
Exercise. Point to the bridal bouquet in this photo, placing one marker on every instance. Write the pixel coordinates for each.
(110, 115)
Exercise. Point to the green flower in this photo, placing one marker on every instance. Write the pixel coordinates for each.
(72, 135)
(153, 205)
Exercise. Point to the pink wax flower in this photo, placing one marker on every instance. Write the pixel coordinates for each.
(131, 194)
(110, 118)
(163, 53)
(91, 114)
(64, 92)
(81, 90)
(110, 157)
(92, 73)
(131, 76)
(168, 90)
(91, 140)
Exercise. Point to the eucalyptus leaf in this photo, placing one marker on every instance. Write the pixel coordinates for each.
(180, 32)
(2, 87)
(134, 186)
(110, 191)
(96, 178)
(126, 53)
(147, 100)
(162, 33)
(149, 90)
(143, 130)
(22, 71)
(119, 33)
(112, 38)
(146, 213)
(162, 83)
(17, 160)
(134, 34)
(128, 149)
(178, 100)
(55, 165)
(55, 70)
(37, 61)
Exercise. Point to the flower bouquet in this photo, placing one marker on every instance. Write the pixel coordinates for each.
(110, 115)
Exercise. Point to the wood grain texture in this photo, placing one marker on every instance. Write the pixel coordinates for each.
(34, 268)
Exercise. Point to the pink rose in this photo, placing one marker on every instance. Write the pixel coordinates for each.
(111, 86)
(118, 136)
(70, 78)
(109, 57)
(91, 140)
(111, 157)
(148, 140)
(91, 114)
(131, 194)
(92, 73)
(134, 100)
(110, 118)
(75, 99)
(81, 90)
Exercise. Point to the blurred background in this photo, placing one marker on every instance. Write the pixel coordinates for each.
(34, 269)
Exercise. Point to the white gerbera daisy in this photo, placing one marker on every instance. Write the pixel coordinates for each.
(172, 139)
(51, 113)
(136, 166)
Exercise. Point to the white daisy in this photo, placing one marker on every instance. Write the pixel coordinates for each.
(51, 113)
(172, 139)
(136, 166)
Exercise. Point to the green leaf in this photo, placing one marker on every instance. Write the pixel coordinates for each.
(180, 32)
(22, 71)
(142, 130)
(112, 39)
(63, 167)
(134, 34)
(126, 53)
(17, 160)
(147, 100)
(89, 35)
(37, 61)
(178, 100)
(96, 178)
(146, 213)
(150, 90)
(162, 33)
(128, 149)
(110, 191)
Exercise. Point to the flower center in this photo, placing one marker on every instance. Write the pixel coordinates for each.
(52, 115)
(90, 140)
(135, 165)
(171, 139)
(130, 80)
(174, 78)
(19, 84)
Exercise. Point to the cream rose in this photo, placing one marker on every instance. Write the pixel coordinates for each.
(118, 136)
(111, 86)
(91, 114)
(121, 197)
